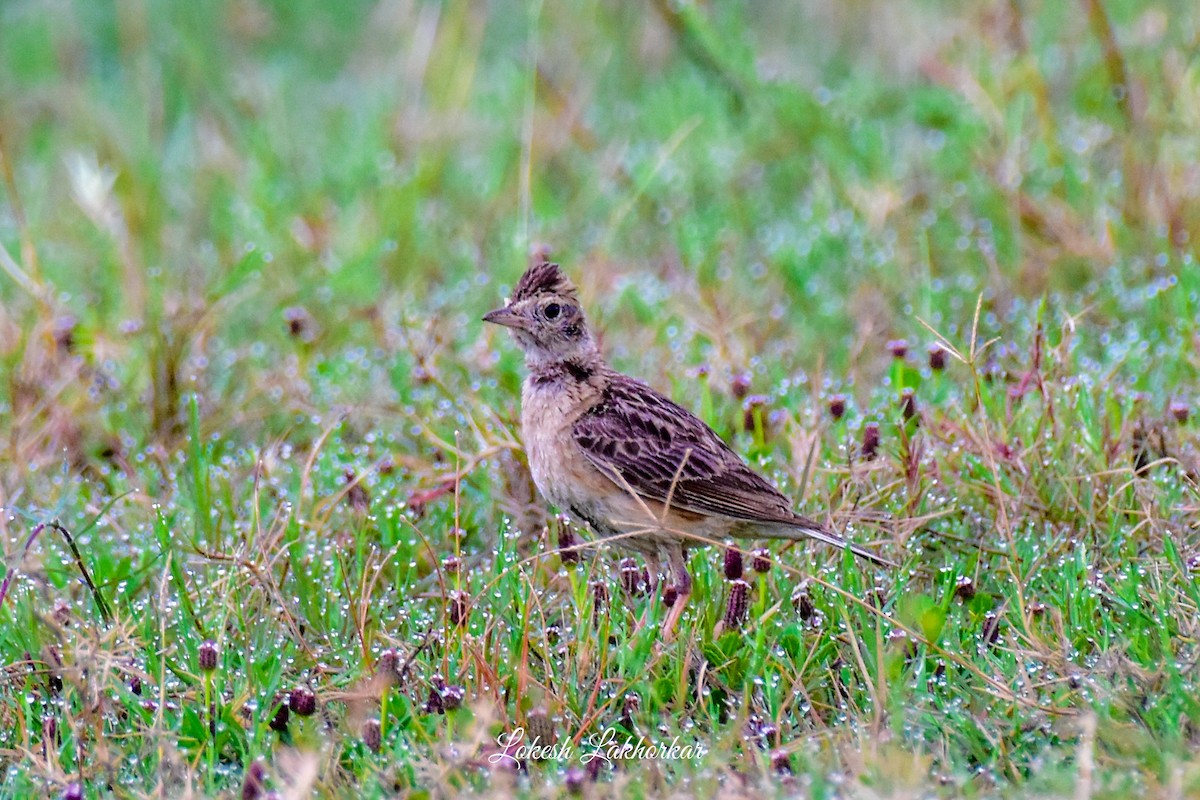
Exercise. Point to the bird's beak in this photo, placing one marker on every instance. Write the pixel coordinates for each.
(506, 317)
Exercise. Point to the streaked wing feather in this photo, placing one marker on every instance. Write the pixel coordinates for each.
(643, 437)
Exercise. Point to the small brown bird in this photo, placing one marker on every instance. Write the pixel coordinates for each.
(640, 470)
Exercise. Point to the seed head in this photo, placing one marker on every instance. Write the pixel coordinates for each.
(208, 655)
(964, 589)
(739, 387)
(753, 407)
(443, 697)
(908, 404)
(458, 608)
(837, 406)
(539, 728)
(762, 560)
(452, 697)
(1180, 412)
(738, 604)
(279, 719)
(898, 348)
(781, 762)
(372, 735)
(670, 595)
(575, 780)
(299, 323)
(733, 563)
(803, 603)
(303, 701)
(389, 666)
(870, 441)
(937, 357)
(254, 784)
(74, 791)
(357, 495)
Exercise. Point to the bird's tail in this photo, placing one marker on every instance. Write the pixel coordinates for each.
(807, 529)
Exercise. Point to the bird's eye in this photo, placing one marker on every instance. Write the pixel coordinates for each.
(552, 311)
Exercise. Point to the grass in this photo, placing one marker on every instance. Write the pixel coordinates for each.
(245, 393)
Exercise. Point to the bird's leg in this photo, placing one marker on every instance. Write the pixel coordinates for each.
(677, 563)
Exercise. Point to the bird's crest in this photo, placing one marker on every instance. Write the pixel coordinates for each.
(543, 278)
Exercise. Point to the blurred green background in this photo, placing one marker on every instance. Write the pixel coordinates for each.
(828, 173)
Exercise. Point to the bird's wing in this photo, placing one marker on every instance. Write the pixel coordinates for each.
(661, 450)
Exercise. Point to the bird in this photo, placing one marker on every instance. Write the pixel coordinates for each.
(638, 469)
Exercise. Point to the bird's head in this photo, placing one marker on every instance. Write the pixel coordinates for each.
(545, 317)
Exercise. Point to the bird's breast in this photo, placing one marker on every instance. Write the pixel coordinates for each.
(561, 472)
